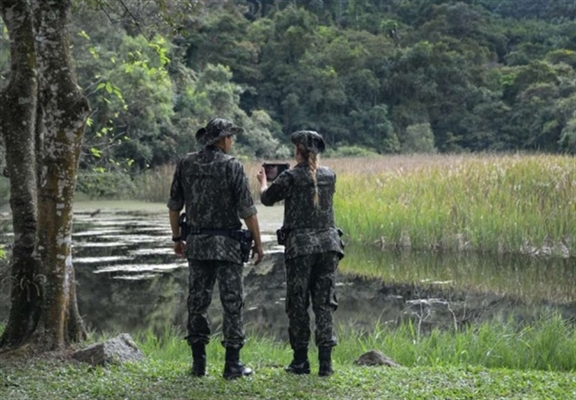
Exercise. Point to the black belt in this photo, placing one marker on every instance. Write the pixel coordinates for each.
(200, 231)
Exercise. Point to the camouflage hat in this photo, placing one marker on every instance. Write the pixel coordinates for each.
(311, 140)
(217, 128)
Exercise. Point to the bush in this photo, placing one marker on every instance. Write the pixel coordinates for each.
(105, 185)
(350, 151)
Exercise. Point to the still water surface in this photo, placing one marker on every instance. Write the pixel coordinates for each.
(129, 279)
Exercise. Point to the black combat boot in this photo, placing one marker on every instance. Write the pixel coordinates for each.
(300, 364)
(199, 359)
(233, 368)
(325, 359)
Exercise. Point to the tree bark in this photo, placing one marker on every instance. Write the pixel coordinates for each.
(43, 115)
(65, 113)
(17, 126)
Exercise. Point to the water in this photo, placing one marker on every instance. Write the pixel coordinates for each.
(129, 279)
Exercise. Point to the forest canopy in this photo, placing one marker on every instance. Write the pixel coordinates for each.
(381, 76)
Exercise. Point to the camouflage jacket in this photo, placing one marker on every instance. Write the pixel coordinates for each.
(311, 229)
(214, 189)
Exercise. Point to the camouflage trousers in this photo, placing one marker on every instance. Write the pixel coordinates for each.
(203, 275)
(311, 277)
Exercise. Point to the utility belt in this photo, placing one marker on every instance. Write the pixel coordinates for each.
(243, 236)
(282, 234)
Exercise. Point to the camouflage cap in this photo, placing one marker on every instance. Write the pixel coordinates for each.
(311, 140)
(215, 129)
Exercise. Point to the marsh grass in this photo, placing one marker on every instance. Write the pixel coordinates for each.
(506, 204)
(154, 185)
(489, 203)
(547, 344)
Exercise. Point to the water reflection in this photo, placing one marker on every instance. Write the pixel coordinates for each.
(129, 279)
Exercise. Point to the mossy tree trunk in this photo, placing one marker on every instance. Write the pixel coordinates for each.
(18, 107)
(42, 161)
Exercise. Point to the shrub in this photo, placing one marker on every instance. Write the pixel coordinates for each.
(105, 185)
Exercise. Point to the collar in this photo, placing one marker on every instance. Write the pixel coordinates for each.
(214, 149)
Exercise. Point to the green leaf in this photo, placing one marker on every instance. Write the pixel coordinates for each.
(84, 35)
(95, 152)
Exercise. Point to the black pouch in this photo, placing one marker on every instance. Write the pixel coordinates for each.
(281, 236)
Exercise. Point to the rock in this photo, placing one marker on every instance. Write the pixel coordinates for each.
(117, 350)
(375, 357)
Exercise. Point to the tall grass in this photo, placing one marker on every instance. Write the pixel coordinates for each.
(516, 204)
(494, 203)
(549, 344)
(154, 185)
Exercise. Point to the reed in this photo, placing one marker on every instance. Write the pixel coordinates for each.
(154, 185)
(548, 344)
(500, 204)
(489, 203)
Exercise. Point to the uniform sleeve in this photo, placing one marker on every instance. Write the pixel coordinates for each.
(241, 190)
(176, 200)
(278, 190)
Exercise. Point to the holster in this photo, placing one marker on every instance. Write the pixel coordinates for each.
(282, 236)
(183, 226)
(245, 238)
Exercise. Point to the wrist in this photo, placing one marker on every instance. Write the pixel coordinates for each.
(176, 239)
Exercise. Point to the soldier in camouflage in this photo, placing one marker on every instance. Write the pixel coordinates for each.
(213, 188)
(313, 249)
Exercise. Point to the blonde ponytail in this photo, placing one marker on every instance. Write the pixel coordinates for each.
(312, 160)
(313, 164)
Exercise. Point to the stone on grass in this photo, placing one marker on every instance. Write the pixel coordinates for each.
(375, 357)
(117, 350)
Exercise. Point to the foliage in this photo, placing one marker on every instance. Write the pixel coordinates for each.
(350, 151)
(485, 75)
(105, 185)
(419, 138)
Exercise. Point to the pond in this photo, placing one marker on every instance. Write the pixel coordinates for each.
(129, 279)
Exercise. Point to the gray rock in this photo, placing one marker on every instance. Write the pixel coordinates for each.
(117, 350)
(375, 357)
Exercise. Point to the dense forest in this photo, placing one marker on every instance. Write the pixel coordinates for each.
(373, 76)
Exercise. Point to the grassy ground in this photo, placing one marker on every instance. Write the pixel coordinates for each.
(487, 362)
(155, 379)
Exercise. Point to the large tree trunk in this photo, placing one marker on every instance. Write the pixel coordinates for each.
(18, 104)
(44, 309)
(65, 112)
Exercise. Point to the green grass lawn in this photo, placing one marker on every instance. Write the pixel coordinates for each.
(165, 379)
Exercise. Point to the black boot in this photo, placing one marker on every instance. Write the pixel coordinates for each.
(233, 368)
(325, 359)
(300, 364)
(199, 359)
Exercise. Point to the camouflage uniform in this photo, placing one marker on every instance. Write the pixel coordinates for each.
(313, 249)
(214, 189)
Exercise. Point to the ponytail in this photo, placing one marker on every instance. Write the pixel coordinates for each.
(312, 159)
